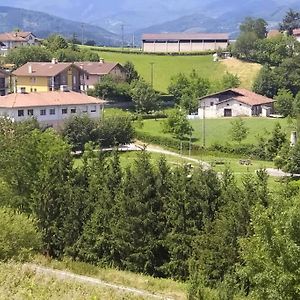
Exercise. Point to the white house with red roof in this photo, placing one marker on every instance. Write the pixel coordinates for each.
(49, 108)
(233, 103)
(296, 34)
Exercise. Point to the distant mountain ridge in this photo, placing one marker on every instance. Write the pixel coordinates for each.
(42, 25)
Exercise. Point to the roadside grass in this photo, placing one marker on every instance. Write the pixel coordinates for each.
(245, 70)
(217, 130)
(167, 287)
(20, 283)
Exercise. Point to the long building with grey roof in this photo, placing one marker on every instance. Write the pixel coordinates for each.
(184, 42)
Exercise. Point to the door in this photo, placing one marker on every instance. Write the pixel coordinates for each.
(227, 112)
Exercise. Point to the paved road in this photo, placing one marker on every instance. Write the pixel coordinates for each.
(90, 280)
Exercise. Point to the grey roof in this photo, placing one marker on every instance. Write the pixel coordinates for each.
(185, 36)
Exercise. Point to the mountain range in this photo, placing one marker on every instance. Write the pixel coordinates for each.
(106, 21)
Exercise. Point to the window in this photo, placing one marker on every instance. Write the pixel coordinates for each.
(33, 79)
(43, 112)
(211, 103)
(30, 112)
(35, 90)
(64, 111)
(93, 108)
(21, 113)
(85, 109)
(52, 111)
(73, 110)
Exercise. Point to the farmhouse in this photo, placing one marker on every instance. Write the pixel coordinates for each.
(235, 102)
(95, 71)
(47, 76)
(9, 40)
(51, 108)
(296, 34)
(184, 42)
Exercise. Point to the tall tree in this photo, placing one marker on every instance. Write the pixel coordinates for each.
(131, 72)
(257, 26)
(290, 21)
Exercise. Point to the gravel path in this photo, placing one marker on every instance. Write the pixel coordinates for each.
(90, 280)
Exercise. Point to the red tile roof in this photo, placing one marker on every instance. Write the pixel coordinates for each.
(185, 36)
(251, 98)
(296, 31)
(273, 33)
(42, 69)
(47, 99)
(244, 96)
(97, 68)
(12, 37)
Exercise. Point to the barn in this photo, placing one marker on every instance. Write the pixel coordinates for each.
(233, 103)
(184, 42)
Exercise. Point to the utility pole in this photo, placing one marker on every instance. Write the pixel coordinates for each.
(122, 32)
(151, 77)
(133, 40)
(82, 27)
(203, 126)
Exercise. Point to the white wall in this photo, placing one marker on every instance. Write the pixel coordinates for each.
(54, 120)
(217, 111)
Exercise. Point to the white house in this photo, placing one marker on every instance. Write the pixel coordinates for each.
(49, 108)
(235, 102)
(296, 34)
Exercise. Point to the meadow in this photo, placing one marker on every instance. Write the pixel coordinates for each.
(164, 67)
(217, 130)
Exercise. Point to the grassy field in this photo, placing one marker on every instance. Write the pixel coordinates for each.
(217, 130)
(165, 67)
(246, 71)
(18, 283)
(168, 287)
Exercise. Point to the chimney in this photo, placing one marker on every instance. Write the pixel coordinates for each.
(29, 69)
(54, 61)
(101, 60)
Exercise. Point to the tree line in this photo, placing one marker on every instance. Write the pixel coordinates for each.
(191, 224)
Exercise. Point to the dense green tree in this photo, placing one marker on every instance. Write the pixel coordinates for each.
(144, 97)
(177, 124)
(284, 102)
(276, 141)
(21, 55)
(19, 236)
(230, 81)
(115, 129)
(79, 130)
(245, 45)
(296, 106)
(131, 72)
(90, 55)
(238, 131)
(265, 82)
(55, 42)
(67, 55)
(271, 254)
(110, 88)
(51, 191)
(257, 26)
(188, 89)
(290, 21)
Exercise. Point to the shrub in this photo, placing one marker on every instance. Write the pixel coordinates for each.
(19, 237)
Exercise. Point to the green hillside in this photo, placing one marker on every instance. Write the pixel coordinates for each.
(164, 67)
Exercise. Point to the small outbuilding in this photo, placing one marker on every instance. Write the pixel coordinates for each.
(233, 103)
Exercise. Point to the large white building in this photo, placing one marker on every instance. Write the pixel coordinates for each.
(184, 42)
(49, 108)
(233, 103)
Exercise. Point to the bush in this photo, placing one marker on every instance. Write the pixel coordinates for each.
(19, 237)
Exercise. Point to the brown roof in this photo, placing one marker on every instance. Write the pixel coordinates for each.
(97, 68)
(244, 96)
(42, 69)
(11, 36)
(185, 36)
(47, 99)
(273, 33)
(296, 31)
(24, 34)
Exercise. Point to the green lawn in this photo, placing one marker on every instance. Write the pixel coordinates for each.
(217, 130)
